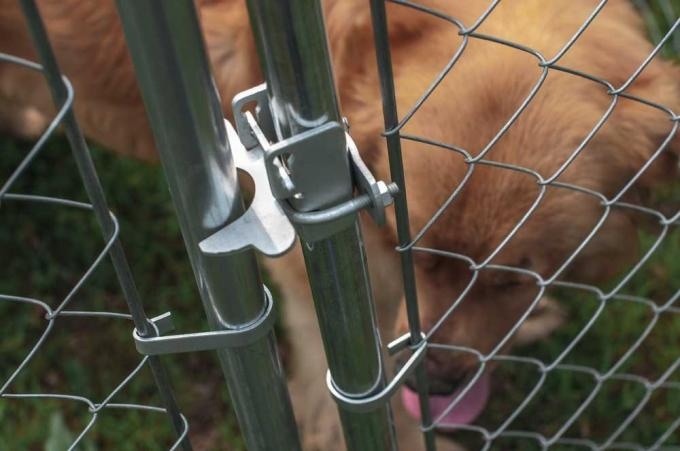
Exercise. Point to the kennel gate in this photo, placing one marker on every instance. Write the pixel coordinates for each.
(190, 134)
(293, 53)
(301, 79)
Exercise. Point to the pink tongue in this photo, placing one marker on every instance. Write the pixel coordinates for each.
(465, 412)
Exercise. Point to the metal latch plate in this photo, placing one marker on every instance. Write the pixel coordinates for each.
(264, 226)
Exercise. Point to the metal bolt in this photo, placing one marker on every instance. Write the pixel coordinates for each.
(383, 195)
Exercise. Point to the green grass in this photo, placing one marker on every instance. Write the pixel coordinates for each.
(44, 250)
(660, 16)
(618, 327)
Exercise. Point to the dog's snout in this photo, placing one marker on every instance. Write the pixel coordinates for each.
(443, 377)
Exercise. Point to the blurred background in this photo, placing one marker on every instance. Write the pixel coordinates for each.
(44, 250)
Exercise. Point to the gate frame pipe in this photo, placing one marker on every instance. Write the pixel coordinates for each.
(168, 52)
(293, 50)
(393, 141)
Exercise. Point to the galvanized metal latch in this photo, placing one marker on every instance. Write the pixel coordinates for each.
(280, 208)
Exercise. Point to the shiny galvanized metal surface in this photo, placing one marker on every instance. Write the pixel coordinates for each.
(291, 39)
(293, 51)
(185, 114)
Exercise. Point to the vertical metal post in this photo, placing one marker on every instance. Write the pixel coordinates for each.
(293, 50)
(95, 193)
(172, 68)
(391, 119)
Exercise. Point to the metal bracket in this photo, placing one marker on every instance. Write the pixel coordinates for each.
(299, 165)
(380, 397)
(280, 206)
(379, 193)
(256, 96)
(264, 226)
(204, 341)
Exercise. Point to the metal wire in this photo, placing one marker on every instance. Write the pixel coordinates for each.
(52, 314)
(666, 223)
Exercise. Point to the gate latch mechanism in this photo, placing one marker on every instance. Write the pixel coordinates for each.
(279, 207)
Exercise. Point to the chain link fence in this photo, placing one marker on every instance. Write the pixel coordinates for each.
(20, 309)
(581, 389)
(607, 380)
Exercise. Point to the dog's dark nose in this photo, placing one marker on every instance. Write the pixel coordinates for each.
(441, 379)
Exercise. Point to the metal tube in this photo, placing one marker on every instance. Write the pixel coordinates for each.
(95, 193)
(300, 99)
(290, 37)
(391, 119)
(294, 54)
(172, 68)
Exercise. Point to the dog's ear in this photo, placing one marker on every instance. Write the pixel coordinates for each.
(638, 130)
(349, 22)
(350, 34)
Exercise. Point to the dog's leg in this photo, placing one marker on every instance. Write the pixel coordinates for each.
(315, 411)
(546, 317)
(25, 103)
(409, 435)
(22, 122)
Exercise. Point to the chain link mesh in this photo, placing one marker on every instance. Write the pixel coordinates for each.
(56, 313)
(566, 432)
(582, 383)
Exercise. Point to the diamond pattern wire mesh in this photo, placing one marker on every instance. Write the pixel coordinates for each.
(53, 313)
(562, 435)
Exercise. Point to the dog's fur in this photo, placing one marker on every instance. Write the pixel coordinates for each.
(470, 106)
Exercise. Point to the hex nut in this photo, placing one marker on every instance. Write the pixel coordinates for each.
(383, 197)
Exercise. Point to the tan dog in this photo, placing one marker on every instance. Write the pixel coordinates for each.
(483, 91)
